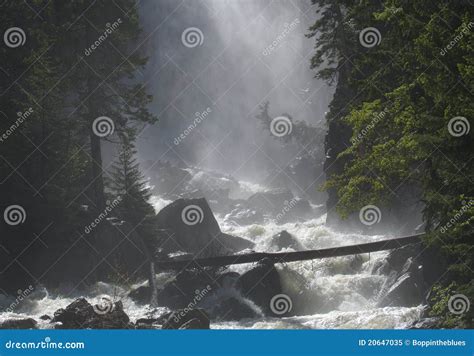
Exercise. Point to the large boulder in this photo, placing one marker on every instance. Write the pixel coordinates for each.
(285, 240)
(80, 314)
(189, 286)
(187, 319)
(195, 229)
(27, 323)
(405, 288)
(261, 284)
(233, 309)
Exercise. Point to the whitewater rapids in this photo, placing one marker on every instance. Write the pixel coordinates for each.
(348, 299)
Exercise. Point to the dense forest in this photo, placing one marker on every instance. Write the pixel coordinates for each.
(67, 91)
(398, 134)
(400, 118)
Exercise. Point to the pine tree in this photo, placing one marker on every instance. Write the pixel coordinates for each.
(129, 185)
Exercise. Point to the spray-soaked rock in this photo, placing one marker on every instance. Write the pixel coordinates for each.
(194, 228)
(285, 240)
(233, 309)
(261, 284)
(80, 314)
(27, 323)
(187, 319)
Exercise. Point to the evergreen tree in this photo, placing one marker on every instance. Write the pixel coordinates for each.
(421, 85)
(129, 185)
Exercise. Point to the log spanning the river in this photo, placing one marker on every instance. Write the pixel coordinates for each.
(283, 257)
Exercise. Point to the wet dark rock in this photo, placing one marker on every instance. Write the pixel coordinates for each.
(405, 292)
(45, 317)
(405, 288)
(140, 294)
(356, 263)
(147, 323)
(193, 225)
(27, 323)
(285, 240)
(189, 286)
(179, 319)
(80, 314)
(260, 284)
(193, 324)
(397, 258)
(425, 323)
(233, 309)
(228, 279)
(411, 270)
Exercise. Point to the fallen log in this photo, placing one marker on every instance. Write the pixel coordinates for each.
(282, 257)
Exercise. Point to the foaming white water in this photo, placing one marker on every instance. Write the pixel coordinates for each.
(383, 318)
(159, 203)
(340, 292)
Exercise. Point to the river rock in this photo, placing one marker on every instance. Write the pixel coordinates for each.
(285, 240)
(27, 323)
(80, 314)
(233, 309)
(261, 284)
(187, 319)
(196, 230)
(140, 294)
(406, 288)
(426, 323)
(189, 286)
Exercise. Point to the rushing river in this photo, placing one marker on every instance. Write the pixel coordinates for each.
(347, 298)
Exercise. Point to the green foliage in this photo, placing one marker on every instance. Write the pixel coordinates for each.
(440, 301)
(128, 184)
(420, 76)
(51, 163)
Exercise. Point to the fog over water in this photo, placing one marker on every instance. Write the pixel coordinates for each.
(251, 52)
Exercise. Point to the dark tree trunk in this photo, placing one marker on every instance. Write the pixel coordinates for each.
(96, 170)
